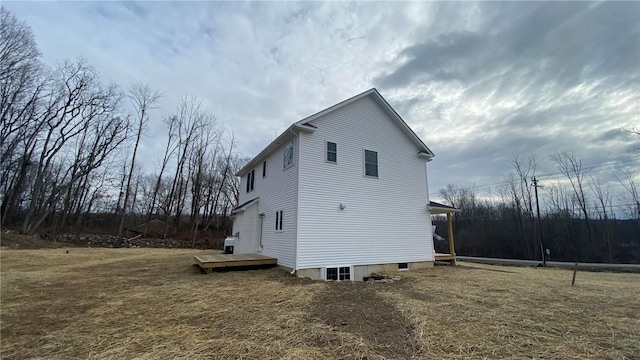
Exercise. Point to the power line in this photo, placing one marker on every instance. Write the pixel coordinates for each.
(547, 177)
(608, 207)
(586, 169)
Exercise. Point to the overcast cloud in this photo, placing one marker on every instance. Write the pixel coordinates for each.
(477, 81)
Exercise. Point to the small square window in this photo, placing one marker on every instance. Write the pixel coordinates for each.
(332, 152)
(344, 273)
(338, 273)
(403, 266)
(332, 273)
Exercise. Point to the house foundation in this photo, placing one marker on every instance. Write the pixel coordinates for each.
(362, 271)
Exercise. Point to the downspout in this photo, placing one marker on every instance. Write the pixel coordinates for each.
(295, 240)
(261, 227)
(430, 227)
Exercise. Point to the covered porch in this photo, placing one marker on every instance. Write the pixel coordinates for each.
(441, 209)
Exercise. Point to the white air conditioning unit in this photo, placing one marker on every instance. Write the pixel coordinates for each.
(229, 244)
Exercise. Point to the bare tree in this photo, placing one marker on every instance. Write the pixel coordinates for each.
(519, 188)
(571, 167)
(603, 196)
(143, 99)
(76, 101)
(631, 197)
(21, 88)
(169, 151)
(223, 174)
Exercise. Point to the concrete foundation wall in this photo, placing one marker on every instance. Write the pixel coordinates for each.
(315, 274)
(361, 271)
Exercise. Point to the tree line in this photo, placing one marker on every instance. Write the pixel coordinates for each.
(70, 150)
(582, 218)
(70, 158)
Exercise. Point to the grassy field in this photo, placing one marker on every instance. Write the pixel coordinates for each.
(152, 304)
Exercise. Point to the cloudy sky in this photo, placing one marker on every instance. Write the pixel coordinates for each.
(478, 82)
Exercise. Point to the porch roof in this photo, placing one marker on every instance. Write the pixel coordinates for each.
(436, 208)
(242, 207)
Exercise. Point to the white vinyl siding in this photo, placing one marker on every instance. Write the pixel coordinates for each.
(277, 191)
(384, 221)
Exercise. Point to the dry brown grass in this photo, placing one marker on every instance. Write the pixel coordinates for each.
(151, 304)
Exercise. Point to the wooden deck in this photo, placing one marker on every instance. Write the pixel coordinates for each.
(446, 257)
(215, 261)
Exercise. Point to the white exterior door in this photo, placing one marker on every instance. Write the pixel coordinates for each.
(249, 240)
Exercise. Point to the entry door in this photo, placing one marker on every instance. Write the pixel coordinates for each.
(251, 239)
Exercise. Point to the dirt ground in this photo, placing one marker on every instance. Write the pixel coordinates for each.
(152, 304)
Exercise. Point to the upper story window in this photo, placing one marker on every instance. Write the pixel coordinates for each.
(264, 168)
(251, 179)
(332, 152)
(288, 155)
(279, 220)
(371, 163)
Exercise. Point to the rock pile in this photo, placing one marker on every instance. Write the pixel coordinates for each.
(381, 278)
(111, 241)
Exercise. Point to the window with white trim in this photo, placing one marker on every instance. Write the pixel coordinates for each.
(332, 152)
(371, 163)
(279, 220)
(287, 159)
(338, 273)
(251, 176)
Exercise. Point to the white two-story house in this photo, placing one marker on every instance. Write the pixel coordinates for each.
(339, 194)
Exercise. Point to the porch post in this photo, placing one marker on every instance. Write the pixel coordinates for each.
(452, 248)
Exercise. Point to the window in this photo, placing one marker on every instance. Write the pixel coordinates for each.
(264, 168)
(371, 163)
(403, 266)
(288, 155)
(250, 180)
(339, 273)
(279, 220)
(332, 152)
(332, 273)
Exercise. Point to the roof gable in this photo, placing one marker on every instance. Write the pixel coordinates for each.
(304, 125)
(386, 107)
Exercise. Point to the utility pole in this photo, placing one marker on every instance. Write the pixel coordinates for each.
(534, 183)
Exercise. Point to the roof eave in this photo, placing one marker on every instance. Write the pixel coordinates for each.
(241, 208)
(303, 125)
(437, 208)
(391, 111)
(274, 145)
(425, 155)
